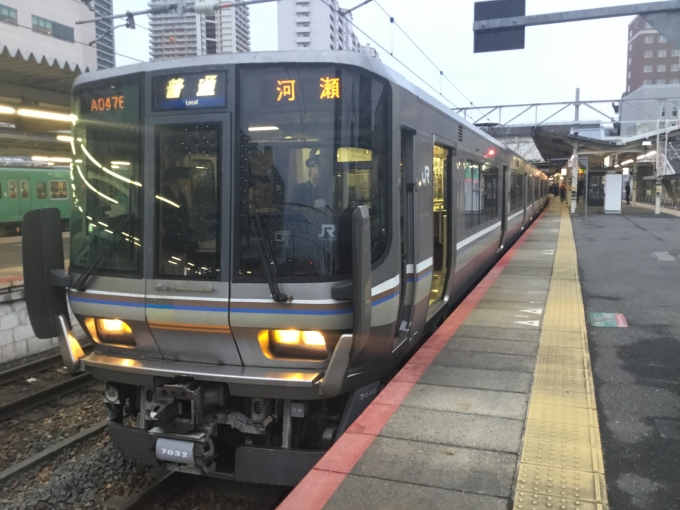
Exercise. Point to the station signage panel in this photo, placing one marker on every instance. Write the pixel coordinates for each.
(190, 91)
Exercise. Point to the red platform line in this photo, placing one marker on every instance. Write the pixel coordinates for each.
(315, 489)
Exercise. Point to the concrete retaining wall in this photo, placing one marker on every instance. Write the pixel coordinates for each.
(16, 334)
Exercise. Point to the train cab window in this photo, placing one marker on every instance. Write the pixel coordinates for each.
(25, 189)
(41, 189)
(188, 201)
(481, 194)
(312, 145)
(57, 190)
(106, 214)
(12, 189)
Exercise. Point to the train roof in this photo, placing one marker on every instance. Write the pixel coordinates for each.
(352, 58)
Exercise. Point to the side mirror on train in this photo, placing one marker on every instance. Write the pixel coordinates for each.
(357, 234)
(45, 281)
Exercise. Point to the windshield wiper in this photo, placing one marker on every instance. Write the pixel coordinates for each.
(82, 280)
(268, 260)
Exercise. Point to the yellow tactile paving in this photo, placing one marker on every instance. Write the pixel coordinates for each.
(561, 464)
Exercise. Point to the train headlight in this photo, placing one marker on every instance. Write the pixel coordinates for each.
(111, 331)
(295, 343)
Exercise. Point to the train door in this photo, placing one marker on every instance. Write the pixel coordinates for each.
(408, 207)
(441, 179)
(504, 204)
(187, 300)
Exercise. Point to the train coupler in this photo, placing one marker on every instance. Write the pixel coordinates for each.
(193, 453)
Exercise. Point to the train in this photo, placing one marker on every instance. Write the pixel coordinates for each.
(24, 189)
(257, 242)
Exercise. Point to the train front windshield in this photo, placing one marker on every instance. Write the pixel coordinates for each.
(312, 144)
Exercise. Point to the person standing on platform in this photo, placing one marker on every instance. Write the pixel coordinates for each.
(627, 188)
(563, 192)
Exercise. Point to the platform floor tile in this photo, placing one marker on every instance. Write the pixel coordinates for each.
(466, 400)
(500, 380)
(455, 429)
(435, 465)
(375, 494)
(495, 346)
(485, 360)
(485, 331)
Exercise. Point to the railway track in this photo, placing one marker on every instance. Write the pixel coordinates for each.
(44, 396)
(173, 486)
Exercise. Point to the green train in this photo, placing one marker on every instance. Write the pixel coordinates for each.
(25, 189)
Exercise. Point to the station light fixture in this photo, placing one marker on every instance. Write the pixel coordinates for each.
(65, 138)
(627, 162)
(263, 128)
(40, 114)
(7, 110)
(647, 143)
(51, 159)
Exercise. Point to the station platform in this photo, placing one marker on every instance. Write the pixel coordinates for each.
(495, 411)
(503, 407)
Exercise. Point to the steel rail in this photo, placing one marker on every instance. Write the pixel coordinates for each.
(50, 452)
(43, 396)
(159, 492)
(13, 374)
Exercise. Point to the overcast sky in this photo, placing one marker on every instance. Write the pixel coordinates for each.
(557, 59)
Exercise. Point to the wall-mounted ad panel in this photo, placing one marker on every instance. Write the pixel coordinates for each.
(190, 91)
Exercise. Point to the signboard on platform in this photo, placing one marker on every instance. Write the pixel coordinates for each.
(608, 320)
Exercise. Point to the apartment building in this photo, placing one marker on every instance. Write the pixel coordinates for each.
(314, 25)
(652, 60)
(176, 35)
(47, 28)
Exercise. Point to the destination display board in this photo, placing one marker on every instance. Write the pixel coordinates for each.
(114, 102)
(190, 91)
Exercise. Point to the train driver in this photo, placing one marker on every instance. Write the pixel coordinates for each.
(309, 193)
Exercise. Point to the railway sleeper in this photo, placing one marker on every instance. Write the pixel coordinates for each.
(197, 427)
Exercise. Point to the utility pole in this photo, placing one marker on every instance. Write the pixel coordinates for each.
(658, 167)
(575, 165)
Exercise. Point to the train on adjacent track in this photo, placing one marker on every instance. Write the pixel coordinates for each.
(257, 241)
(25, 188)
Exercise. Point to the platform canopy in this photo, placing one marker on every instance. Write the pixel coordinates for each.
(38, 83)
(557, 146)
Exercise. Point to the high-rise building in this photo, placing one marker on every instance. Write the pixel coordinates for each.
(652, 60)
(188, 34)
(47, 29)
(106, 47)
(314, 25)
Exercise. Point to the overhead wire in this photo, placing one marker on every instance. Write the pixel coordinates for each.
(338, 11)
(441, 71)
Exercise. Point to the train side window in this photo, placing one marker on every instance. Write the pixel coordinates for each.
(25, 189)
(472, 195)
(12, 189)
(517, 192)
(58, 190)
(489, 185)
(41, 189)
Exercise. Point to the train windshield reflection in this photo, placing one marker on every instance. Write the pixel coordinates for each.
(105, 174)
